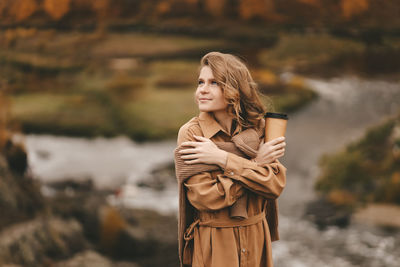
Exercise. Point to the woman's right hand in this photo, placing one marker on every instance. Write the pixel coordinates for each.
(270, 151)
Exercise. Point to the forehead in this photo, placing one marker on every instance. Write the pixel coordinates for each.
(206, 73)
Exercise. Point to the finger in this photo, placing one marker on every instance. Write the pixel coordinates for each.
(279, 148)
(201, 138)
(280, 145)
(277, 152)
(189, 143)
(191, 156)
(188, 151)
(194, 161)
(276, 140)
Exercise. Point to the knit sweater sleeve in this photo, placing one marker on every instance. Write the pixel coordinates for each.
(209, 190)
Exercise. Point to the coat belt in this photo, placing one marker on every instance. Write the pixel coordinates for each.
(217, 223)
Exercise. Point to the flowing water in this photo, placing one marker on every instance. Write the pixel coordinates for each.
(346, 107)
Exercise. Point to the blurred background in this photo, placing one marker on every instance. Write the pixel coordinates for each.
(93, 92)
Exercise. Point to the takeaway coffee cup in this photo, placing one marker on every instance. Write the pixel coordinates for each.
(275, 125)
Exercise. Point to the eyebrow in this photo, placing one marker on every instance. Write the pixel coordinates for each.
(212, 79)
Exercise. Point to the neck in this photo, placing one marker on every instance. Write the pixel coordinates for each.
(224, 119)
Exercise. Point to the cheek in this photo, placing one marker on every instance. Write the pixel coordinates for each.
(221, 99)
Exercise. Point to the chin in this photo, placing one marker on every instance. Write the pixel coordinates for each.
(204, 109)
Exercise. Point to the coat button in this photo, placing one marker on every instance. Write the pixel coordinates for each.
(231, 173)
(243, 250)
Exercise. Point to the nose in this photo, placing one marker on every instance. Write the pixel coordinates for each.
(204, 89)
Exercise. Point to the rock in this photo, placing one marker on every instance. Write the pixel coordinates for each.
(35, 242)
(160, 177)
(90, 258)
(323, 213)
(379, 214)
(20, 197)
(82, 206)
(150, 238)
(70, 184)
(139, 235)
(16, 157)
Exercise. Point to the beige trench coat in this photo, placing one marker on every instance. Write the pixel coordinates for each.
(211, 193)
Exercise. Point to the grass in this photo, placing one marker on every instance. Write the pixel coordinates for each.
(71, 114)
(367, 170)
(139, 106)
(87, 84)
(293, 99)
(160, 114)
(148, 44)
(295, 50)
(101, 105)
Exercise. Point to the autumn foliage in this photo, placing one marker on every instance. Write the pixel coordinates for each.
(23, 9)
(4, 116)
(353, 7)
(56, 8)
(249, 9)
(296, 12)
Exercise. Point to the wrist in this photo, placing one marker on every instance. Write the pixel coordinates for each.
(222, 159)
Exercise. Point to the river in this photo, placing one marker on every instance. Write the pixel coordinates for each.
(345, 108)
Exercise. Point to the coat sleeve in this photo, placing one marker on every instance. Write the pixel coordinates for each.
(206, 192)
(267, 180)
(209, 190)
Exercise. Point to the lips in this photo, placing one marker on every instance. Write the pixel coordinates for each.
(204, 99)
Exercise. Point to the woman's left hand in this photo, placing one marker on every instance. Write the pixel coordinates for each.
(203, 151)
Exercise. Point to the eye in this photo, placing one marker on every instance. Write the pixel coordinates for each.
(200, 82)
(214, 82)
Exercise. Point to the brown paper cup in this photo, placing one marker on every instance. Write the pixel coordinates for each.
(275, 125)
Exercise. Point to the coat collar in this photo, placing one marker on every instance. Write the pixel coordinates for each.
(210, 126)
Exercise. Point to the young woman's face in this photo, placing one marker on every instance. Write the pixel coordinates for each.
(209, 96)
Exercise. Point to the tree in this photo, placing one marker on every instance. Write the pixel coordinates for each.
(101, 7)
(249, 9)
(353, 7)
(57, 8)
(216, 8)
(23, 9)
(310, 2)
(4, 115)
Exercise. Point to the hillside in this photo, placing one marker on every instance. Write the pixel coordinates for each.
(366, 171)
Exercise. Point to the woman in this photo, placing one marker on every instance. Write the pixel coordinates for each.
(228, 178)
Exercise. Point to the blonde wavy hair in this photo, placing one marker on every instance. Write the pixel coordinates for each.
(239, 89)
